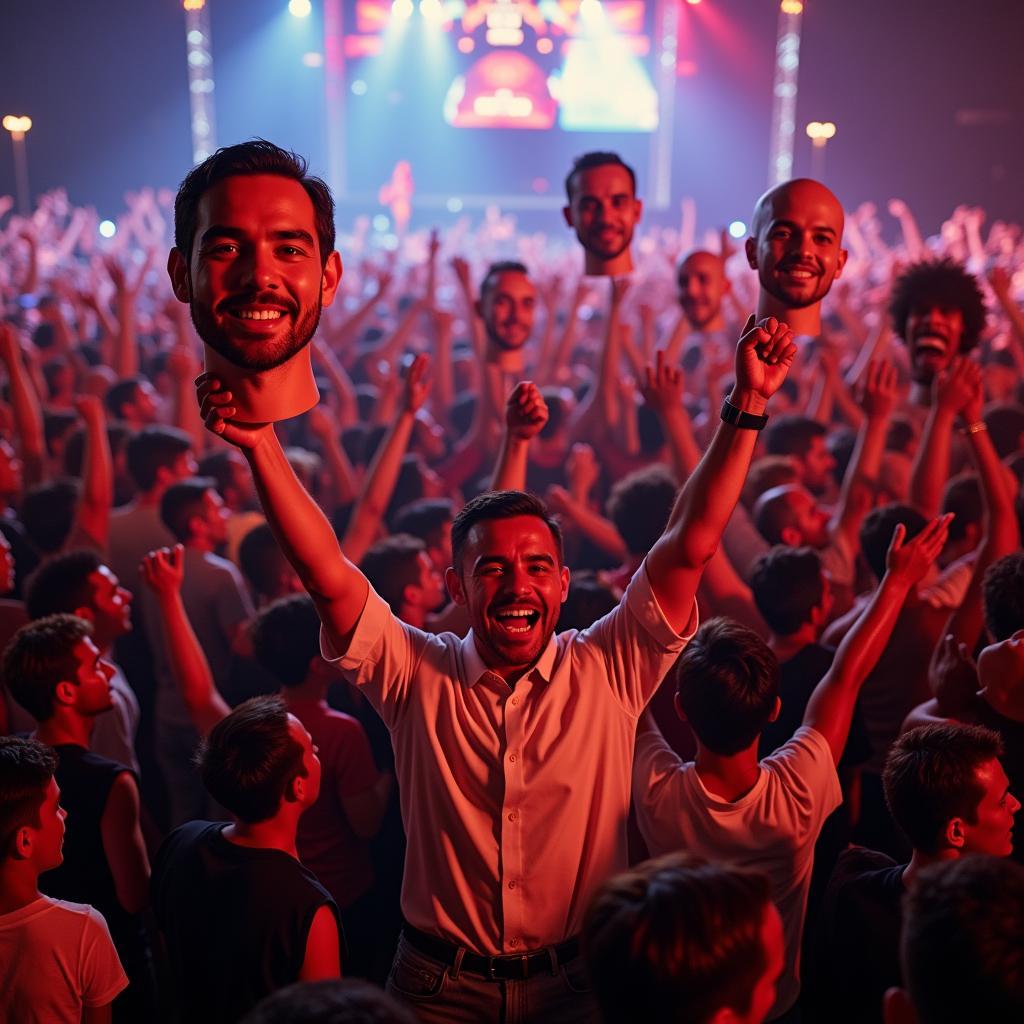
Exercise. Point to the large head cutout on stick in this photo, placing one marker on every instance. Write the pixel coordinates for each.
(603, 210)
(796, 249)
(254, 259)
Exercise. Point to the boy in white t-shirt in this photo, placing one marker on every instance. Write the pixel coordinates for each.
(57, 961)
(766, 815)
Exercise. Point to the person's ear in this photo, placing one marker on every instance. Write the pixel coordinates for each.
(954, 834)
(638, 209)
(564, 573)
(750, 248)
(790, 536)
(818, 615)
(567, 214)
(678, 705)
(897, 1007)
(776, 710)
(177, 271)
(841, 262)
(22, 843)
(331, 278)
(411, 594)
(65, 693)
(85, 612)
(453, 582)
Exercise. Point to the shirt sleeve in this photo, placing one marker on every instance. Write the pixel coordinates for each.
(656, 781)
(634, 643)
(383, 656)
(808, 781)
(101, 975)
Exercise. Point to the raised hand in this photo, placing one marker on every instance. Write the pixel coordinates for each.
(880, 390)
(662, 385)
(321, 423)
(582, 470)
(90, 408)
(620, 287)
(526, 412)
(763, 358)
(954, 675)
(1000, 281)
(163, 570)
(461, 268)
(414, 387)
(957, 389)
(911, 560)
(216, 410)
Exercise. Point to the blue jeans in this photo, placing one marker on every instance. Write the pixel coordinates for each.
(439, 993)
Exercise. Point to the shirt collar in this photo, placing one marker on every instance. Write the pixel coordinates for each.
(474, 666)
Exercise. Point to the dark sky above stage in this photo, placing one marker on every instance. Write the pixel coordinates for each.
(928, 96)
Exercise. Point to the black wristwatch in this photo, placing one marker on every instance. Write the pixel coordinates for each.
(741, 419)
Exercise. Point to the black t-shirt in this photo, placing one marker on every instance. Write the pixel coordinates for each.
(1012, 733)
(861, 934)
(85, 780)
(235, 919)
(798, 678)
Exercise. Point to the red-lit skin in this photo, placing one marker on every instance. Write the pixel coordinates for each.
(255, 250)
(210, 528)
(109, 608)
(702, 286)
(604, 212)
(510, 564)
(92, 680)
(773, 943)
(934, 334)
(6, 566)
(991, 832)
(10, 473)
(816, 466)
(507, 309)
(809, 521)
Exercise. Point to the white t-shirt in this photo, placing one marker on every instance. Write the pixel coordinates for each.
(55, 958)
(772, 828)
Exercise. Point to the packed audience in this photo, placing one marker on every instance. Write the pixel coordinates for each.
(594, 649)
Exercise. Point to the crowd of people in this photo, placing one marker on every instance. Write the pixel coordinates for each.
(640, 644)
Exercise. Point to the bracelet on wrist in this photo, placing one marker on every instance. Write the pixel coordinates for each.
(743, 420)
(974, 428)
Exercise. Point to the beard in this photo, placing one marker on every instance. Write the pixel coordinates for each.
(505, 344)
(591, 241)
(256, 356)
(794, 299)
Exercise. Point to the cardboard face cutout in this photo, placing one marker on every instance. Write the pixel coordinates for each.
(796, 250)
(604, 212)
(256, 285)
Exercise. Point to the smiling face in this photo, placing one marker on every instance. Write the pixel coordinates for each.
(603, 210)
(512, 583)
(507, 308)
(934, 334)
(702, 286)
(795, 247)
(255, 281)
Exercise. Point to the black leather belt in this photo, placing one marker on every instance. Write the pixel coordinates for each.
(511, 967)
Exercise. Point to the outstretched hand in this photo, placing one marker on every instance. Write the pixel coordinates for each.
(526, 412)
(763, 357)
(163, 570)
(911, 560)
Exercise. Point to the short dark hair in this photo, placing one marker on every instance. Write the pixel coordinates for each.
(640, 505)
(217, 466)
(391, 565)
(787, 584)
(261, 559)
(767, 473)
(257, 156)
(152, 449)
(182, 501)
(1003, 596)
(499, 505)
(249, 758)
(26, 767)
(962, 954)
(962, 497)
(728, 681)
(425, 518)
(597, 158)
(495, 270)
(792, 435)
(772, 511)
(61, 584)
(675, 939)
(347, 1000)
(1005, 422)
(48, 513)
(122, 393)
(930, 776)
(38, 657)
(286, 637)
(942, 283)
(878, 527)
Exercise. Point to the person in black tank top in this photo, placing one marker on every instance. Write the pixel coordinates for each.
(55, 671)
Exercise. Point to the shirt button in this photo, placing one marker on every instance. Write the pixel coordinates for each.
(512, 816)
(512, 758)
(515, 702)
(513, 942)
(512, 884)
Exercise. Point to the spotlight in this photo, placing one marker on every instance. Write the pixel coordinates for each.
(544, 45)
(358, 87)
(432, 11)
(590, 8)
(401, 10)
(300, 8)
(465, 44)
(454, 205)
(693, 3)
(381, 223)
(737, 229)
(108, 228)
(792, 6)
